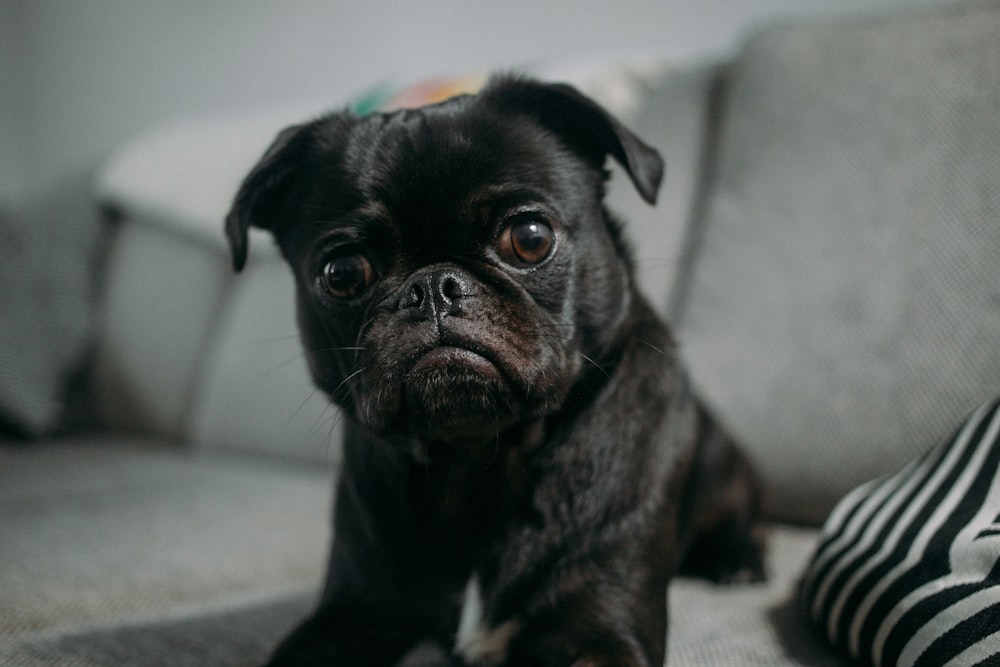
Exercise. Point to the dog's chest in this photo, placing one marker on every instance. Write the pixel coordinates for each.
(476, 510)
(477, 641)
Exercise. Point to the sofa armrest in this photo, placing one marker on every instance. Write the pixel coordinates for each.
(161, 297)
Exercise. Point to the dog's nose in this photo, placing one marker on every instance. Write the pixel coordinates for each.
(435, 293)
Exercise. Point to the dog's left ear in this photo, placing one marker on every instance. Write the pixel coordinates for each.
(584, 124)
(260, 199)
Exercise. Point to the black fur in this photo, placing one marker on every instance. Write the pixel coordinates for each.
(520, 421)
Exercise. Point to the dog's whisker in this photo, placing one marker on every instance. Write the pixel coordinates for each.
(347, 379)
(295, 414)
(496, 452)
(559, 336)
(337, 419)
(595, 364)
(649, 345)
(283, 364)
(319, 423)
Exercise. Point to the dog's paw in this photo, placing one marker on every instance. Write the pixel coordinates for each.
(734, 555)
(429, 654)
(742, 567)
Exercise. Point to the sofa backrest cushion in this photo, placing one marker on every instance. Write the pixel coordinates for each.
(841, 311)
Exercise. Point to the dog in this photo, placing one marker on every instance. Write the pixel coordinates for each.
(525, 467)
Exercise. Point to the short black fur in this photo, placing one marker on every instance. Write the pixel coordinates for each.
(524, 465)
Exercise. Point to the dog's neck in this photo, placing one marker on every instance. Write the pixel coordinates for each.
(482, 452)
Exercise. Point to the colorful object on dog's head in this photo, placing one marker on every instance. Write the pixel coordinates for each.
(388, 97)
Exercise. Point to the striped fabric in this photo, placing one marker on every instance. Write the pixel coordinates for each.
(907, 571)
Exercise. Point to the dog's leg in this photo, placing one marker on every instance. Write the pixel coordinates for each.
(332, 637)
(429, 654)
(722, 535)
(396, 567)
(595, 629)
(581, 617)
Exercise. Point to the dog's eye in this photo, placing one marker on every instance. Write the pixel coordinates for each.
(347, 275)
(527, 242)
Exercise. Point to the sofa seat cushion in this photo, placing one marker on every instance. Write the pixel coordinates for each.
(755, 624)
(235, 636)
(98, 533)
(750, 624)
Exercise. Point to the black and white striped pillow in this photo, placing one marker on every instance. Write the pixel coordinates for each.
(907, 571)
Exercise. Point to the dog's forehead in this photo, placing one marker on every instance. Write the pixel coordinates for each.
(428, 167)
(452, 141)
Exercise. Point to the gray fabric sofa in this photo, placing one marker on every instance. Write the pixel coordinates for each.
(826, 250)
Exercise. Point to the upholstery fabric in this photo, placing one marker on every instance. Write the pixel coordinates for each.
(672, 114)
(160, 305)
(754, 624)
(908, 568)
(256, 393)
(843, 297)
(241, 636)
(102, 532)
(50, 250)
(135, 554)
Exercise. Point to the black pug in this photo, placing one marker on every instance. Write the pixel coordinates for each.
(524, 465)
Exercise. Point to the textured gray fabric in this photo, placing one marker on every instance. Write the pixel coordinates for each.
(670, 115)
(162, 297)
(842, 310)
(49, 252)
(255, 392)
(99, 533)
(240, 637)
(758, 624)
(710, 625)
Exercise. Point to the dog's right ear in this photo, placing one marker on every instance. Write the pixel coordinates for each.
(583, 123)
(265, 190)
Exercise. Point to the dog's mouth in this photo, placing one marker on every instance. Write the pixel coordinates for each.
(456, 391)
(463, 382)
(460, 359)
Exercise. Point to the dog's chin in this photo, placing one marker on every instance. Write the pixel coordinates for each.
(451, 395)
(456, 395)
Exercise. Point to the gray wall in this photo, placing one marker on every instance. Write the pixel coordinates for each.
(78, 77)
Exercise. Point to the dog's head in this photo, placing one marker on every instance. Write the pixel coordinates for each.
(455, 267)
